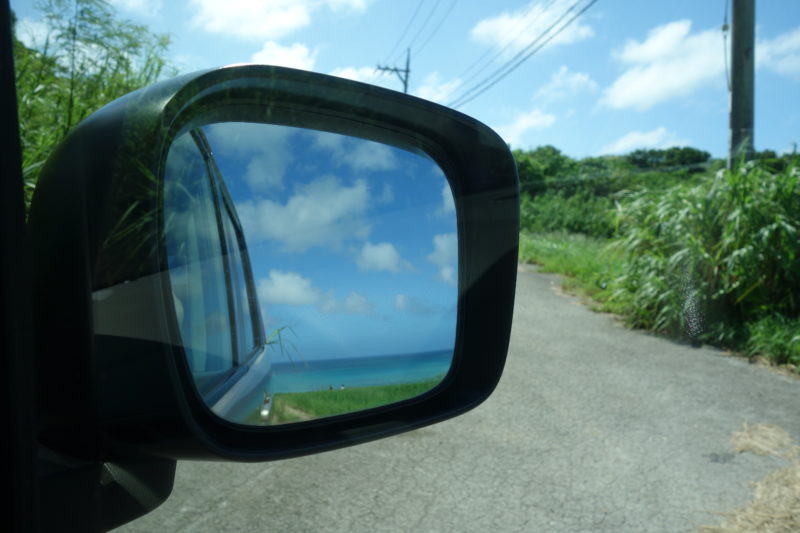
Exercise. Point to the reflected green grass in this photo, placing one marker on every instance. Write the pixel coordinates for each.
(300, 406)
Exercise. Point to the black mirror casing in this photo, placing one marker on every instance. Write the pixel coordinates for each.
(96, 222)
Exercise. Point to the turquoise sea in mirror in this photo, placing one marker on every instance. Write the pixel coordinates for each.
(307, 376)
(304, 260)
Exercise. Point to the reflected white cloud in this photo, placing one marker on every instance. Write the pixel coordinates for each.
(381, 256)
(358, 154)
(266, 150)
(445, 256)
(357, 304)
(323, 213)
(287, 288)
(413, 305)
(448, 203)
(291, 288)
(387, 195)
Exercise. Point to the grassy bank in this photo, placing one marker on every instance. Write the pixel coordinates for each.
(589, 264)
(299, 406)
(595, 269)
(710, 257)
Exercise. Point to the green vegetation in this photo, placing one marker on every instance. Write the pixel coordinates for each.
(591, 266)
(299, 406)
(689, 252)
(87, 58)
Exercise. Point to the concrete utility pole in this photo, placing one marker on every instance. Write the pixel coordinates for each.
(742, 81)
(402, 73)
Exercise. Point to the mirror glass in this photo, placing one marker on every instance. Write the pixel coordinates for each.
(312, 273)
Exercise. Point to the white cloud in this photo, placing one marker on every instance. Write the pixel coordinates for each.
(524, 122)
(357, 304)
(264, 148)
(358, 154)
(670, 63)
(148, 8)
(445, 256)
(287, 288)
(514, 30)
(290, 288)
(563, 84)
(32, 33)
(321, 213)
(262, 19)
(295, 56)
(381, 256)
(411, 304)
(448, 203)
(435, 89)
(369, 155)
(387, 195)
(362, 74)
(657, 138)
(781, 54)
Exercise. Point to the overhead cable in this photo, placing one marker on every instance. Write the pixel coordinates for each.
(405, 31)
(436, 29)
(521, 27)
(511, 65)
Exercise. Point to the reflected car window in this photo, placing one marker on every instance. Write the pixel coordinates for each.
(195, 260)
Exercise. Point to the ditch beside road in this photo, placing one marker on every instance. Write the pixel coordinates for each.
(593, 428)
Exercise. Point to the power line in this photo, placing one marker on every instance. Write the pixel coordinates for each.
(422, 28)
(508, 67)
(436, 29)
(521, 28)
(405, 31)
(512, 63)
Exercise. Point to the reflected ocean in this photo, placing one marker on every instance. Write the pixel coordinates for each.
(306, 376)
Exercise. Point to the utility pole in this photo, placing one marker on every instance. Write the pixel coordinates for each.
(402, 73)
(742, 81)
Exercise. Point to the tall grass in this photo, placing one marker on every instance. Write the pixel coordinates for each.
(713, 258)
(704, 260)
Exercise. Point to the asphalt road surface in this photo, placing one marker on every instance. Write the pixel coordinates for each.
(593, 428)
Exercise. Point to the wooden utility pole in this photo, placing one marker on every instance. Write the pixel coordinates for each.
(742, 81)
(402, 73)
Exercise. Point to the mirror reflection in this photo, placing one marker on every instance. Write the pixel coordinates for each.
(312, 273)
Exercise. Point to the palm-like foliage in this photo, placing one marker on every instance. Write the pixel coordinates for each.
(703, 260)
(86, 59)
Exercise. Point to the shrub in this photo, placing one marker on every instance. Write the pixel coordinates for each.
(777, 337)
(703, 260)
(582, 212)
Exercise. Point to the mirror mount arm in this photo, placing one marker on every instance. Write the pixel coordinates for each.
(100, 496)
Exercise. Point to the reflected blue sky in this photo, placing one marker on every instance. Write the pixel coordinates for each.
(352, 243)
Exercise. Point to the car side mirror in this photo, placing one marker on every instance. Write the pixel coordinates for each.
(253, 263)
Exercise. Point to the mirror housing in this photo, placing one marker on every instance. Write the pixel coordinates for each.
(96, 222)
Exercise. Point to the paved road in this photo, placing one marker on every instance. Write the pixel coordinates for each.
(593, 428)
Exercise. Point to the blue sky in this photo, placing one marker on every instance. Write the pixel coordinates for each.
(626, 74)
(347, 241)
(352, 243)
